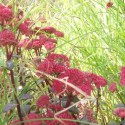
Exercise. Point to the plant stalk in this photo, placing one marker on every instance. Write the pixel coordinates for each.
(97, 102)
(16, 99)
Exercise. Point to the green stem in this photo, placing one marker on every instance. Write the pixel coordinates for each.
(120, 98)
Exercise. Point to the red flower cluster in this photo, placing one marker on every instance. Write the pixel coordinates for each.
(32, 116)
(54, 31)
(55, 107)
(24, 29)
(87, 88)
(120, 112)
(82, 80)
(34, 119)
(60, 62)
(58, 59)
(30, 119)
(109, 5)
(112, 87)
(89, 115)
(5, 13)
(36, 37)
(65, 116)
(49, 29)
(7, 37)
(25, 44)
(45, 67)
(99, 81)
(122, 76)
(42, 101)
(33, 44)
(53, 64)
(59, 34)
(48, 43)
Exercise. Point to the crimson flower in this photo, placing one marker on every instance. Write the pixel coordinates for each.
(109, 5)
(7, 37)
(122, 76)
(45, 67)
(23, 27)
(59, 34)
(112, 87)
(32, 119)
(42, 101)
(5, 13)
(49, 29)
(120, 112)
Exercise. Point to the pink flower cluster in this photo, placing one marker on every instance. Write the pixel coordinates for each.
(43, 101)
(36, 37)
(43, 40)
(53, 64)
(120, 112)
(82, 80)
(36, 119)
(29, 119)
(24, 29)
(54, 31)
(122, 76)
(7, 37)
(90, 116)
(112, 87)
(65, 115)
(109, 4)
(58, 64)
(5, 13)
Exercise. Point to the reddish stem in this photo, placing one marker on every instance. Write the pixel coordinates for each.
(12, 79)
(73, 115)
(36, 52)
(12, 51)
(122, 119)
(16, 99)
(70, 97)
(7, 53)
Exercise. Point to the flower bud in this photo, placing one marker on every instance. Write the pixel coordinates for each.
(9, 64)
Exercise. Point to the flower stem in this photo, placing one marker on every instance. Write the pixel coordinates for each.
(97, 102)
(122, 119)
(16, 99)
(70, 98)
